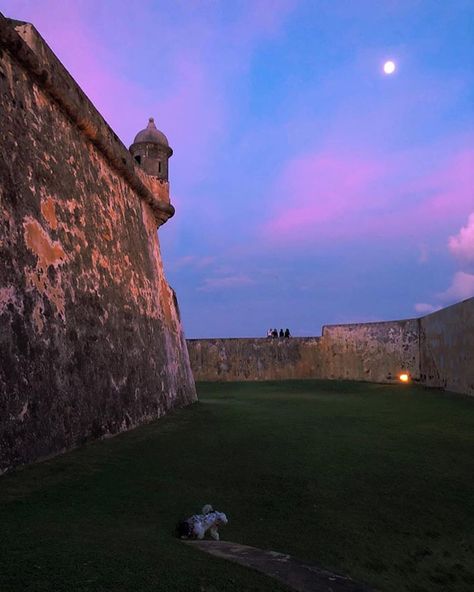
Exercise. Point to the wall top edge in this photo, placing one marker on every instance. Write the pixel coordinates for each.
(462, 303)
(253, 339)
(371, 323)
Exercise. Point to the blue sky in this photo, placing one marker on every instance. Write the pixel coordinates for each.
(310, 188)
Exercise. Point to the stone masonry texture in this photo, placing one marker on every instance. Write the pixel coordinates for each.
(436, 350)
(91, 342)
(447, 348)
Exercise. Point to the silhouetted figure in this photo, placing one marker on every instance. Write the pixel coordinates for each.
(281, 334)
(287, 333)
(274, 333)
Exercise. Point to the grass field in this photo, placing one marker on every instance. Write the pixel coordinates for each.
(374, 481)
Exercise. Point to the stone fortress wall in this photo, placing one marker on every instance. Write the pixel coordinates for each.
(437, 350)
(91, 342)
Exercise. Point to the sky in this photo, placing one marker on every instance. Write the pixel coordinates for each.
(310, 187)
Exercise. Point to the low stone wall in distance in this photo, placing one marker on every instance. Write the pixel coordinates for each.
(255, 359)
(436, 350)
(376, 352)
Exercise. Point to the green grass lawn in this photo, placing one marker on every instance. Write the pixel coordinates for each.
(374, 481)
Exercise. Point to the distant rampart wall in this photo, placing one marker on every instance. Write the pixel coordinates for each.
(436, 350)
(255, 359)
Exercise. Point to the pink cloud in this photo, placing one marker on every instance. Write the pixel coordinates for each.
(462, 283)
(323, 189)
(448, 189)
(461, 288)
(425, 308)
(430, 203)
(338, 195)
(462, 244)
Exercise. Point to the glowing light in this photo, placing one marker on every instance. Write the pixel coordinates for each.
(404, 377)
(389, 67)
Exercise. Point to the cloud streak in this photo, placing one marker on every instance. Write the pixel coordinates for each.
(225, 282)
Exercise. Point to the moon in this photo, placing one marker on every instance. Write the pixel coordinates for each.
(389, 67)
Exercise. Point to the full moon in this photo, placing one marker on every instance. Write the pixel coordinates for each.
(389, 67)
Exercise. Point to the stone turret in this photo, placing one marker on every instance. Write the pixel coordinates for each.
(151, 150)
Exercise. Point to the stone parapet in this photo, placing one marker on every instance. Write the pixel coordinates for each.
(254, 359)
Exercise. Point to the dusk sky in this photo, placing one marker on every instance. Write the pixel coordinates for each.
(310, 187)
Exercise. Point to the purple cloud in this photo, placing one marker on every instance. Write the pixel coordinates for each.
(462, 287)
(462, 244)
(426, 308)
(318, 190)
(325, 196)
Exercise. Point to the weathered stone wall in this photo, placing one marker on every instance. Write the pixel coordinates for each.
(437, 350)
(90, 338)
(375, 352)
(447, 348)
(255, 359)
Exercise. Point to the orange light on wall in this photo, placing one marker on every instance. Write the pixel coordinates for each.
(404, 377)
